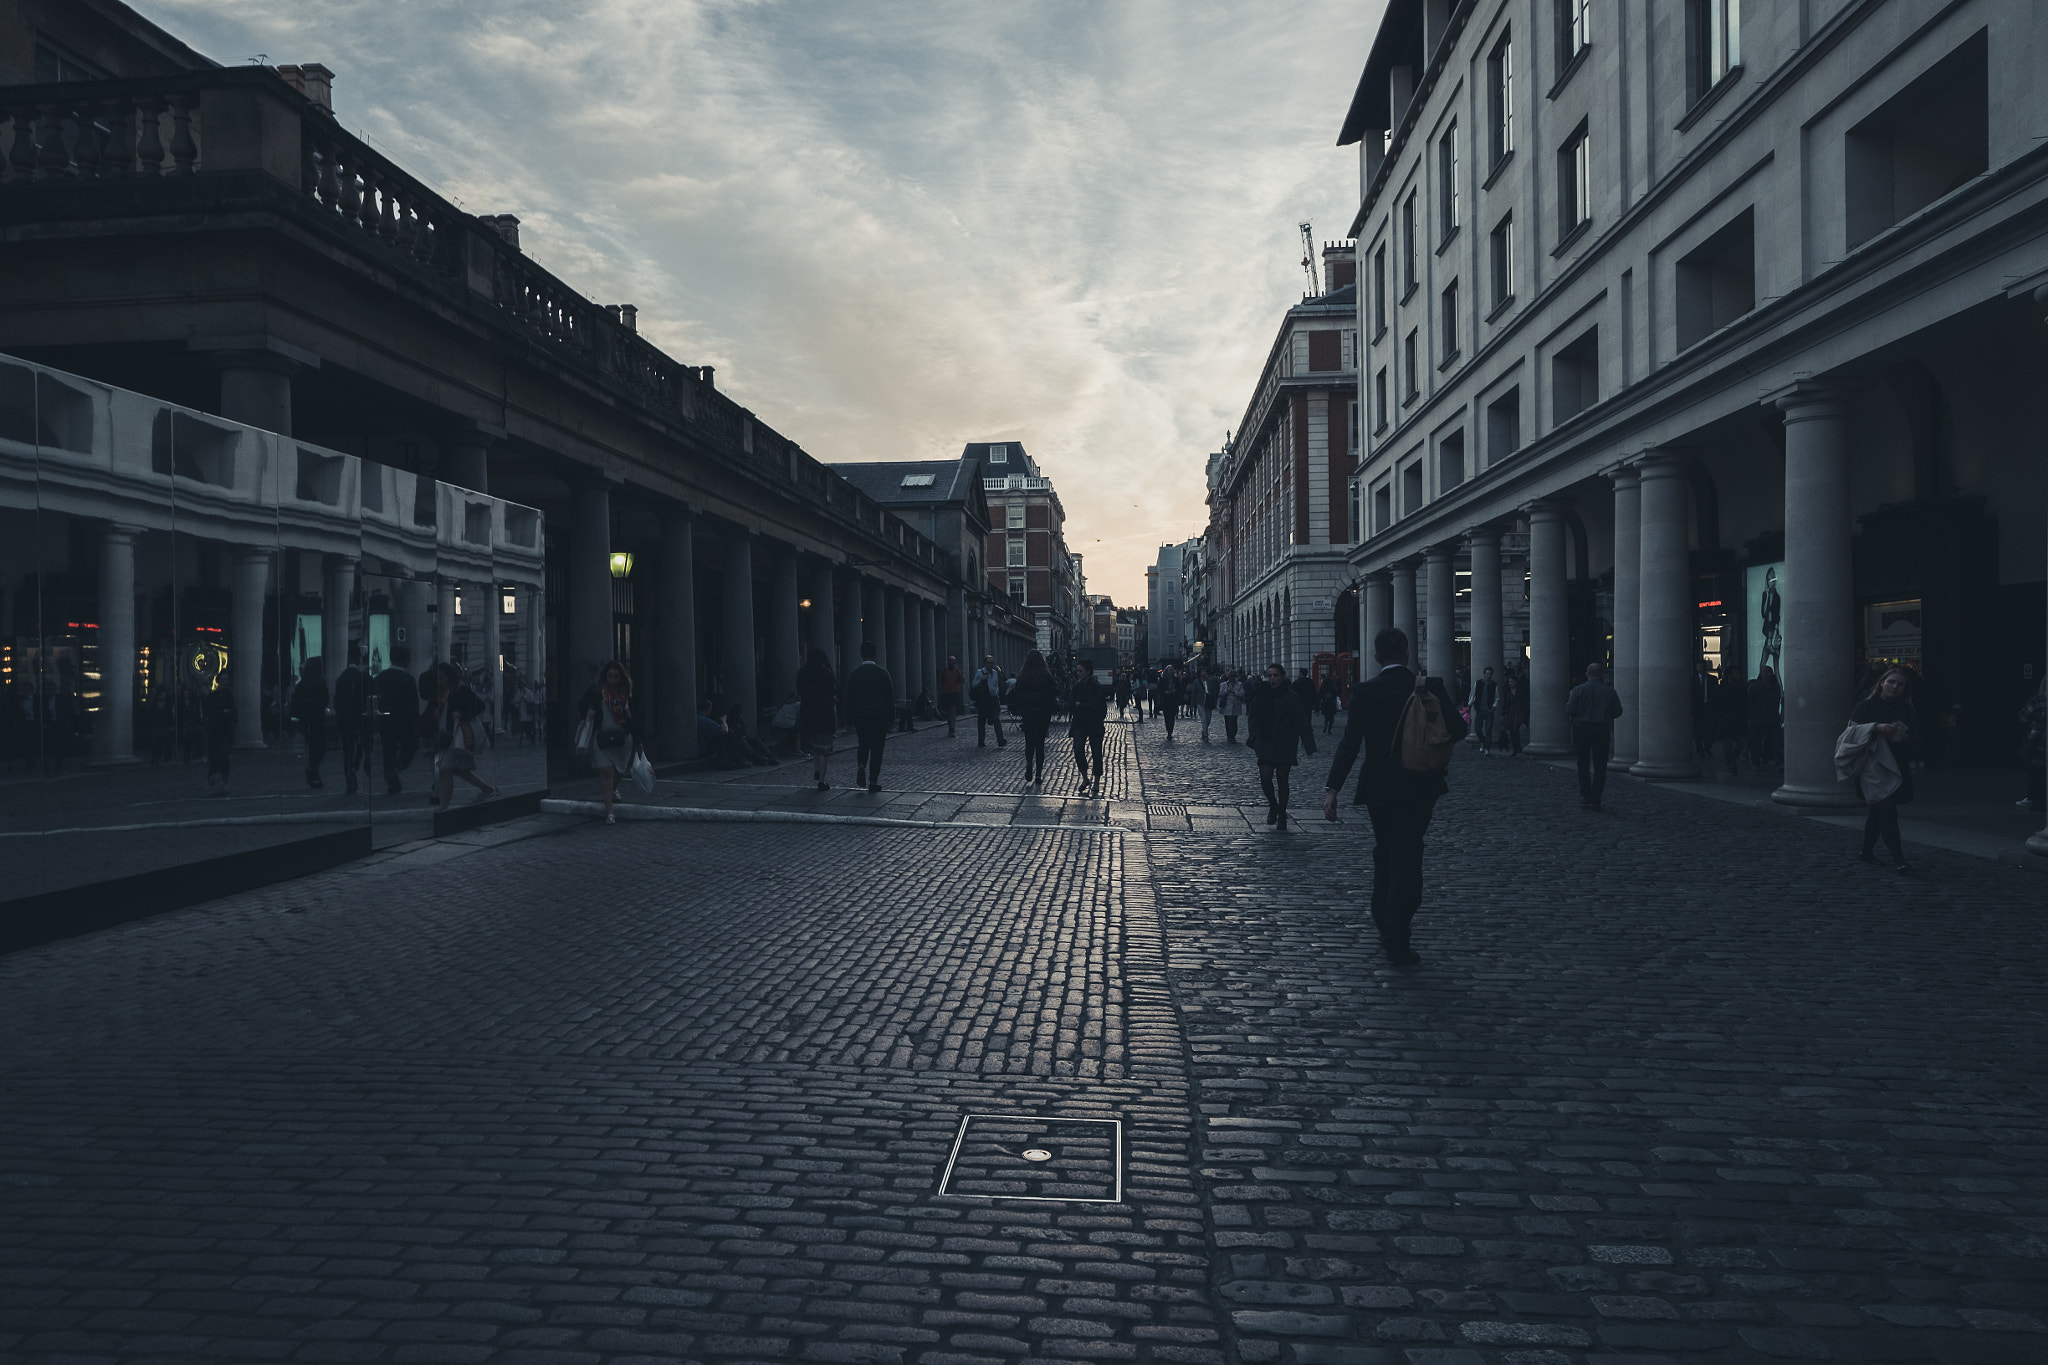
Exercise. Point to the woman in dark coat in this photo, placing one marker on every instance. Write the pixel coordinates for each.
(1890, 708)
(1280, 729)
(1033, 697)
(817, 711)
(1514, 712)
(1090, 710)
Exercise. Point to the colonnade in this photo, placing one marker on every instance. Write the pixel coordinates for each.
(1655, 648)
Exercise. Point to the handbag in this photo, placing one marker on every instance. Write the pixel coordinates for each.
(641, 771)
(585, 733)
(785, 716)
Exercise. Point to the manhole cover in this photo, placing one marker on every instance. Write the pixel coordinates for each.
(998, 1156)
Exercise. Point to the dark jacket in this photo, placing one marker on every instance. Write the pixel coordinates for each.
(351, 702)
(397, 697)
(869, 694)
(1279, 727)
(1485, 697)
(1369, 725)
(1593, 703)
(817, 696)
(1034, 699)
(1763, 701)
(309, 701)
(1731, 710)
(1090, 704)
(1305, 688)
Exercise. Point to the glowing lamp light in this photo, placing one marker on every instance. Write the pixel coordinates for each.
(622, 563)
(805, 603)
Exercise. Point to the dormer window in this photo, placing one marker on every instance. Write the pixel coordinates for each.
(998, 454)
(917, 480)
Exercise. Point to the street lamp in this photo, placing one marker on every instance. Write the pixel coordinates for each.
(622, 563)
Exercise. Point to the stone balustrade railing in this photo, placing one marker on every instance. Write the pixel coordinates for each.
(198, 125)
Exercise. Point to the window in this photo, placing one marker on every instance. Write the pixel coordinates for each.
(1407, 244)
(1325, 351)
(1575, 377)
(1450, 461)
(1450, 322)
(1413, 380)
(1352, 426)
(1411, 490)
(1379, 293)
(1574, 33)
(54, 64)
(1713, 42)
(1574, 184)
(917, 480)
(1379, 400)
(1382, 508)
(1924, 143)
(1500, 253)
(1014, 552)
(1500, 99)
(1504, 426)
(1717, 281)
(1013, 516)
(1447, 182)
(998, 454)
(1017, 588)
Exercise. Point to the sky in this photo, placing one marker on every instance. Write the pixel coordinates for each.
(893, 228)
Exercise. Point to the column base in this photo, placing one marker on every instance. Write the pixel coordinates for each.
(1818, 798)
(2037, 842)
(1663, 772)
(117, 761)
(1548, 750)
(248, 746)
(1621, 763)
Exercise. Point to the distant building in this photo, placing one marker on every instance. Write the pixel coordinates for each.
(1027, 546)
(1166, 600)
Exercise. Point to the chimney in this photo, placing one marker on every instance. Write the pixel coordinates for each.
(504, 224)
(630, 316)
(314, 81)
(1340, 265)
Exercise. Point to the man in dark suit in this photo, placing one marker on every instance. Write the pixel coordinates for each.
(1399, 802)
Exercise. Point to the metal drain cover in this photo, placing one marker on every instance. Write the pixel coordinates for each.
(1002, 1156)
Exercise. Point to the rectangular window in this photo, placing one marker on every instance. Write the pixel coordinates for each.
(1017, 588)
(1500, 98)
(1411, 490)
(1500, 252)
(1014, 552)
(1412, 381)
(1382, 508)
(998, 454)
(1713, 42)
(1447, 182)
(1014, 516)
(1379, 400)
(1504, 426)
(1717, 281)
(1574, 183)
(1408, 244)
(1450, 322)
(1575, 378)
(1379, 293)
(1450, 462)
(1574, 31)
(1923, 144)
(1325, 351)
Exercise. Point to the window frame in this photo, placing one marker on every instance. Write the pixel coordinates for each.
(1574, 36)
(1413, 364)
(1500, 262)
(1448, 204)
(1574, 174)
(1448, 322)
(1500, 97)
(1410, 280)
(1713, 45)
(1379, 291)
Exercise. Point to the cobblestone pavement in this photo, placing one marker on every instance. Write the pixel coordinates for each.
(1682, 1082)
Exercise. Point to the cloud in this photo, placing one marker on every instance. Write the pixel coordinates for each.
(893, 228)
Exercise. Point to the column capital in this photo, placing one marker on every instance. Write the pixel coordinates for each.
(340, 561)
(121, 530)
(245, 554)
(1378, 576)
(1545, 509)
(1486, 530)
(1622, 475)
(1661, 463)
(1807, 401)
(1445, 550)
(256, 351)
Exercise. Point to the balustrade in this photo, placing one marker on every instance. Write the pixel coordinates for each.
(95, 135)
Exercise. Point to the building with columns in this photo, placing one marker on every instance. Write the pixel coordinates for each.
(1279, 490)
(1738, 316)
(277, 271)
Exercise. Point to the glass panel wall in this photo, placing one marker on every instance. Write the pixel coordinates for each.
(218, 641)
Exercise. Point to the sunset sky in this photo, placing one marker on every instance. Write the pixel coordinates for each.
(892, 228)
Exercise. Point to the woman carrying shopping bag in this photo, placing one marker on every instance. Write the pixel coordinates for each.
(608, 709)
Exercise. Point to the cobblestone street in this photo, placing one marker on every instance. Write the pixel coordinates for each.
(1680, 1082)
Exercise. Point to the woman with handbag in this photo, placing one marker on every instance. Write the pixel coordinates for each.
(817, 696)
(1889, 706)
(606, 731)
(453, 737)
(1033, 696)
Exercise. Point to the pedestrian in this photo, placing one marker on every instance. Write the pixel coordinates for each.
(952, 683)
(1399, 801)
(2034, 748)
(608, 709)
(1305, 689)
(1208, 691)
(1090, 712)
(1762, 702)
(217, 718)
(1484, 701)
(1123, 692)
(308, 706)
(1169, 698)
(455, 713)
(1889, 707)
(1705, 689)
(398, 712)
(1034, 695)
(817, 698)
(1731, 720)
(870, 699)
(352, 717)
(1326, 701)
(1513, 712)
(987, 695)
(1232, 704)
(163, 727)
(1280, 728)
(1592, 708)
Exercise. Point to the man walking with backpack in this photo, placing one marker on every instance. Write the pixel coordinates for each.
(1407, 728)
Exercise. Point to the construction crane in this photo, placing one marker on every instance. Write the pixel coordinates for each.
(1308, 260)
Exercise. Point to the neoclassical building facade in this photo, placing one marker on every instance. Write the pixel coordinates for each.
(1735, 310)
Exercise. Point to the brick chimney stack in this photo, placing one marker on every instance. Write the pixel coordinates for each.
(314, 81)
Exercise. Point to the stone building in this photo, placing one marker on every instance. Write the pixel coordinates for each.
(1278, 499)
(1738, 312)
(1027, 547)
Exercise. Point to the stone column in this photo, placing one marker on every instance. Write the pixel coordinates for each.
(783, 626)
(742, 688)
(590, 588)
(849, 625)
(494, 637)
(1666, 645)
(1628, 558)
(256, 389)
(1379, 614)
(825, 615)
(465, 455)
(446, 593)
(245, 661)
(1549, 632)
(2036, 843)
(337, 586)
(1403, 578)
(928, 632)
(871, 620)
(1443, 613)
(534, 603)
(956, 620)
(113, 733)
(892, 606)
(675, 638)
(1486, 628)
(1819, 617)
